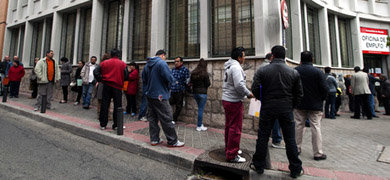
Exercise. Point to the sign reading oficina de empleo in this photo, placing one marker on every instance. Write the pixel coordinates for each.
(374, 41)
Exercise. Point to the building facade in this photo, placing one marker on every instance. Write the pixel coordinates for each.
(339, 33)
(3, 22)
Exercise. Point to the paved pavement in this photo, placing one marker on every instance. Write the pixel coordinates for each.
(33, 150)
(352, 146)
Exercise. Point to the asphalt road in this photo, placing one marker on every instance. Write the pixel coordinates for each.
(33, 150)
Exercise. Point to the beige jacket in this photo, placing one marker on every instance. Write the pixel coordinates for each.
(41, 71)
(359, 83)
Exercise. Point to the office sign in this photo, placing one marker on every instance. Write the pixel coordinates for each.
(374, 41)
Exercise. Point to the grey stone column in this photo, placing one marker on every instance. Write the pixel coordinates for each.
(96, 29)
(260, 16)
(353, 5)
(356, 46)
(371, 6)
(125, 32)
(326, 59)
(158, 26)
(274, 23)
(296, 26)
(336, 21)
(43, 40)
(76, 37)
(56, 34)
(205, 29)
(28, 33)
(7, 42)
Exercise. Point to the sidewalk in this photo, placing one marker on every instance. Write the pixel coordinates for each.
(352, 145)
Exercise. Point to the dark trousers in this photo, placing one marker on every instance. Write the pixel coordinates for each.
(14, 88)
(338, 103)
(131, 104)
(65, 92)
(79, 93)
(362, 100)
(108, 94)
(144, 107)
(161, 111)
(351, 102)
(34, 86)
(266, 123)
(233, 127)
(177, 100)
(330, 103)
(386, 104)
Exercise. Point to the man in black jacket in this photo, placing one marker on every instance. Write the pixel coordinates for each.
(3, 68)
(315, 90)
(279, 88)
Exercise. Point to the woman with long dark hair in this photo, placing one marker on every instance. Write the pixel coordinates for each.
(66, 70)
(200, 82)
(78, 81)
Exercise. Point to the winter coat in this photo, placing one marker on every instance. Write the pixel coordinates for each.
(85, 72)
(278, 86)
(66, 70)
(234, 82)
(112, 72)
(156, 79)
(359, 83)
(41, 71)
(315, 87)
(332, 83)
(15, 73)
(200, 84)
(385, 88)
(133, 79)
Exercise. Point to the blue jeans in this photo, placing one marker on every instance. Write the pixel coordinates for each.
(276, 136)
(330, 101)
(144, 107)
(371, 102)
(201, 100)
(87, 91)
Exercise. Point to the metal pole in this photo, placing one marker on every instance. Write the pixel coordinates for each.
(43, 103)
(119, 116)
(5, 93)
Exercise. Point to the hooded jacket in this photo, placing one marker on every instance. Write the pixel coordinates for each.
(156, 79)
(16, 73)
(133, 79)
(41, 71)
(234, 82)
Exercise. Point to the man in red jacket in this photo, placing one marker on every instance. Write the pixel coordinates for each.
(112, 73)
(15, 75)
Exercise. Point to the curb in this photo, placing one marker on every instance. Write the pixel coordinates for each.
(175, 158)
(279, 175)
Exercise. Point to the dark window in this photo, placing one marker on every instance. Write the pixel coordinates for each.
(68, 36)
(13, 51)
(49, 25)
(36, 46)
(345, 42)
(184, 28)
(232, 24)
(314, 33)
(141, 29)
(333, 41)
(21, 42)
(114, 25)
(85, 35)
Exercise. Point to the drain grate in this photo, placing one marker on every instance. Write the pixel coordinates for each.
(385, 155)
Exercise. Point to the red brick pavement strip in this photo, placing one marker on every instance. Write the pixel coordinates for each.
(134, 126)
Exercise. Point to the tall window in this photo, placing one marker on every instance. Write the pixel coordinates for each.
(345, 42)
(49, 26)
(21, 41)
(232, 23)
(67, 36)
(36, 47)
(141, 29)
(114, 25)
(85, 34)
(333, 40)
(13, 51)
(314, 33)
(288, 34)
(184, 28)
(303, 22)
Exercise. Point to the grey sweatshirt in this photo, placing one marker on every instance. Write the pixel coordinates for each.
(234, 82)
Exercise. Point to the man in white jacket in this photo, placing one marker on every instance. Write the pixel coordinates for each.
(361, 91)
(234, 91)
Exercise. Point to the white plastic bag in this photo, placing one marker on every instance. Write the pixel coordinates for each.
(254, 107)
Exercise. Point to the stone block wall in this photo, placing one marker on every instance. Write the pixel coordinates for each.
(213, 115)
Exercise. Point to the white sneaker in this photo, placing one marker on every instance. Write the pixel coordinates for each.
(238, 159)
(177, 144)
(201, 128)
(76, 103)
(173, 122)
(143, 119)
(36, 109)
(278, 145)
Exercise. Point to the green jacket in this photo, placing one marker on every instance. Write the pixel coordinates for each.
(41, 71)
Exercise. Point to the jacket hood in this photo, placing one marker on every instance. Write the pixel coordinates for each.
(152, 61)
(231, 62)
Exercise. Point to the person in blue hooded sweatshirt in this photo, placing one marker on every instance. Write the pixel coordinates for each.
(156, 79)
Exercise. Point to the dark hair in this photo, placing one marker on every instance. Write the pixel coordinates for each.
(327, 70)
(82, 62)
(93, 57)
(106, 56)
(181, 59)
(268, 56)
(237, 52)
(64, 59)
(134, 64)
(365, 69)
(306, 56)
(279, 52)
(48, 51)
(17, 63)
(160, 52)
(356, 68)
(115, 52)
(200, 70)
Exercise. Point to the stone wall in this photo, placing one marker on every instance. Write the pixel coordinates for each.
(213, 115)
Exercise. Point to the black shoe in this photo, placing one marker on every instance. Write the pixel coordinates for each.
(369, 118)
(85, 107)
(375, 116)
(253, 167)
(114, 127)
(295, 175)
(354, 117)
(319, 158)
(337, 115)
